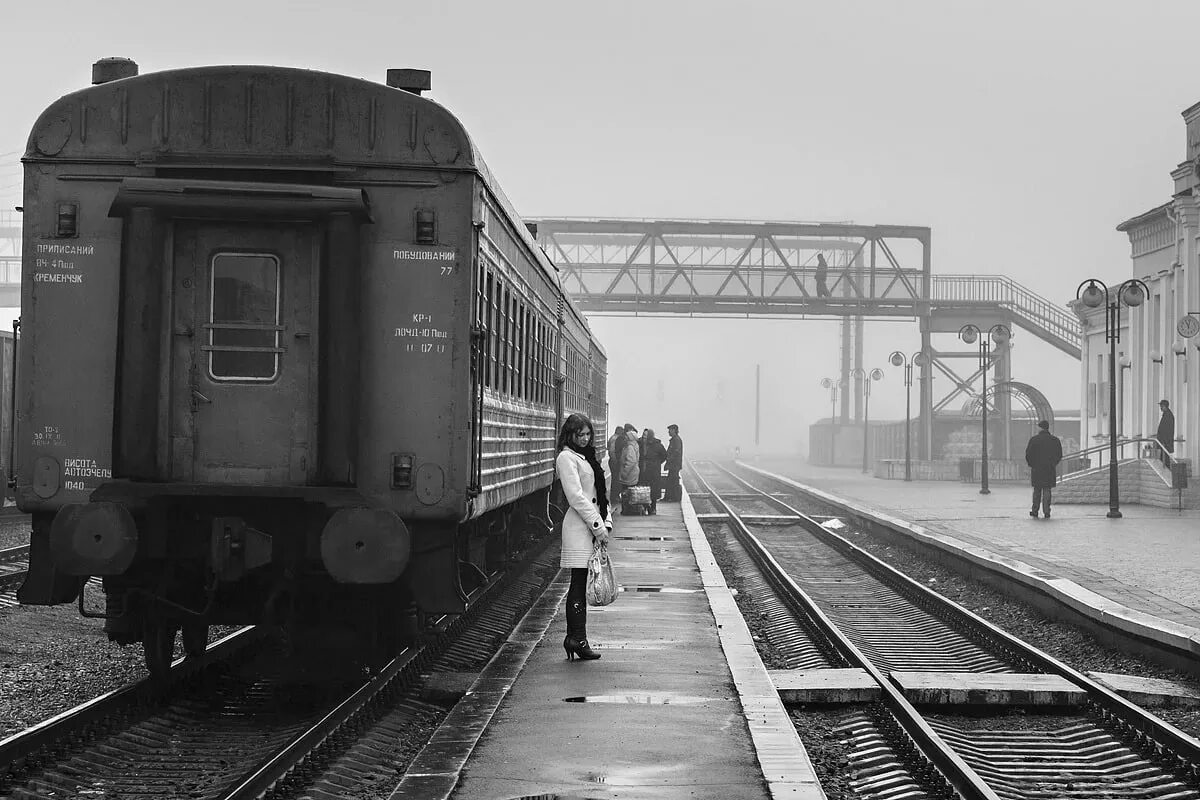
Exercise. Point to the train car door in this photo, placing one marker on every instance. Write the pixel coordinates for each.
(242, 368)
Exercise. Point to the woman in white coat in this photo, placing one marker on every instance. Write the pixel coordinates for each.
(586, 521)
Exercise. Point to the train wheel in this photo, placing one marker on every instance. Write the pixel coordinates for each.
(158, 645)
(195, 638)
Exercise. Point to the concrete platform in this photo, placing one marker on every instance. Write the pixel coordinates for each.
(1139, 573)
(987, 688)
(1150, 692)
(829, 686)
(838, 685)
(679, 705)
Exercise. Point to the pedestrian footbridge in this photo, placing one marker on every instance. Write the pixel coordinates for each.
(741, 268)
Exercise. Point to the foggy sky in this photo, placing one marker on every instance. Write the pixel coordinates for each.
(1022, 133)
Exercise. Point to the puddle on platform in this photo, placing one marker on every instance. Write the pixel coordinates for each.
(637, 644)
(658, 588)
(654, 699)
(647, 538)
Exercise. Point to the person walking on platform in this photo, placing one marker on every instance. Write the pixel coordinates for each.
(674, 492)
(587, 521)
(629, 468)
(1042, 454)
(1166, 432)
(650, 472)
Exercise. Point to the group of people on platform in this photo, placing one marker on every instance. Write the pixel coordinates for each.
(634, 461)
(587, 520)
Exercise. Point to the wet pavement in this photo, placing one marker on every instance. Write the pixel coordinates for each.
(664, 713)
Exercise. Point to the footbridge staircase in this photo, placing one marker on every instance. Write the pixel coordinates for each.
(956, 296)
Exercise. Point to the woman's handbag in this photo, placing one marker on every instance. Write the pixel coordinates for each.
(601, 584)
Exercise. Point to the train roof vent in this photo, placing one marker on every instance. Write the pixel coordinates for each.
(410, 80)
(112, 69)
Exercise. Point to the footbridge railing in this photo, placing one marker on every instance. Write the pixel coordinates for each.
(1034, 313)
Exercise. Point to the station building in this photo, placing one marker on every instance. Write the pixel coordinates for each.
(1158, 352)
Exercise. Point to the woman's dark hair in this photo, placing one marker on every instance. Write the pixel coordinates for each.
(574, 423)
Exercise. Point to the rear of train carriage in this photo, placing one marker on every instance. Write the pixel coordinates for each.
(257, 381)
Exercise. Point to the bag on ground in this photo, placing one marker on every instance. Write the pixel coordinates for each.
(601, 584)
(638, 495)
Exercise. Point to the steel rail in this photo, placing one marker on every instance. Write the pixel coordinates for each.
(1184, 749)
(73, 720)
(959, 776)
(10, 578)
(17, 553)
(263, 778)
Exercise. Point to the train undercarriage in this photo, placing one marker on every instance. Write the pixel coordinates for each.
(179, 566)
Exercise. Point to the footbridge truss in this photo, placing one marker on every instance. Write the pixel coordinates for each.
(635, 267)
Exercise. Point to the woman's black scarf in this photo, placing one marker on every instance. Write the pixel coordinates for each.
(589, 454)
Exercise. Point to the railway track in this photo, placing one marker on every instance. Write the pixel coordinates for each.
(239, 729)
(14, 564)
(831, 605)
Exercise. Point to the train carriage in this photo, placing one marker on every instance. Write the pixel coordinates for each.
(288, 355)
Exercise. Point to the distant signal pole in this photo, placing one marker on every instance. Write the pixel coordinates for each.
(757, 400)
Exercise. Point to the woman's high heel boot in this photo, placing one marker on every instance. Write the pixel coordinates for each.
(576, 643)
(579, 647)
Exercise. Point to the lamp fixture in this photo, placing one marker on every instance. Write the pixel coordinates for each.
(1156, 357)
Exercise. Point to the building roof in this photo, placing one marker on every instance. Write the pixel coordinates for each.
(1133, 222)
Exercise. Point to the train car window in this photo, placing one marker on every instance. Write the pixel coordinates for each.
(501, 334)
(489, 311)
(497, 333)
(518, 349)
(526, 350)
(540, 391)
(512, 344)
(506, 345)
(519, 344)
(243, 329)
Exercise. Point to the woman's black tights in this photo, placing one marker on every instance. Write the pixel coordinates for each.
(577, 604)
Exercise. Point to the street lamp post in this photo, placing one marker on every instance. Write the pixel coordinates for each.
(1094, 293)
(832, 385)
(898, 359)
(874, 375)
(1000, 334)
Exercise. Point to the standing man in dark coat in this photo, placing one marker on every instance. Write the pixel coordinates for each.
(653, 455)
(1042, 454)
(673, 492)
(1166, 431)
(616, 443)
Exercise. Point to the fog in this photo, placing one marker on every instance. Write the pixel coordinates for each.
(1021, 133)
